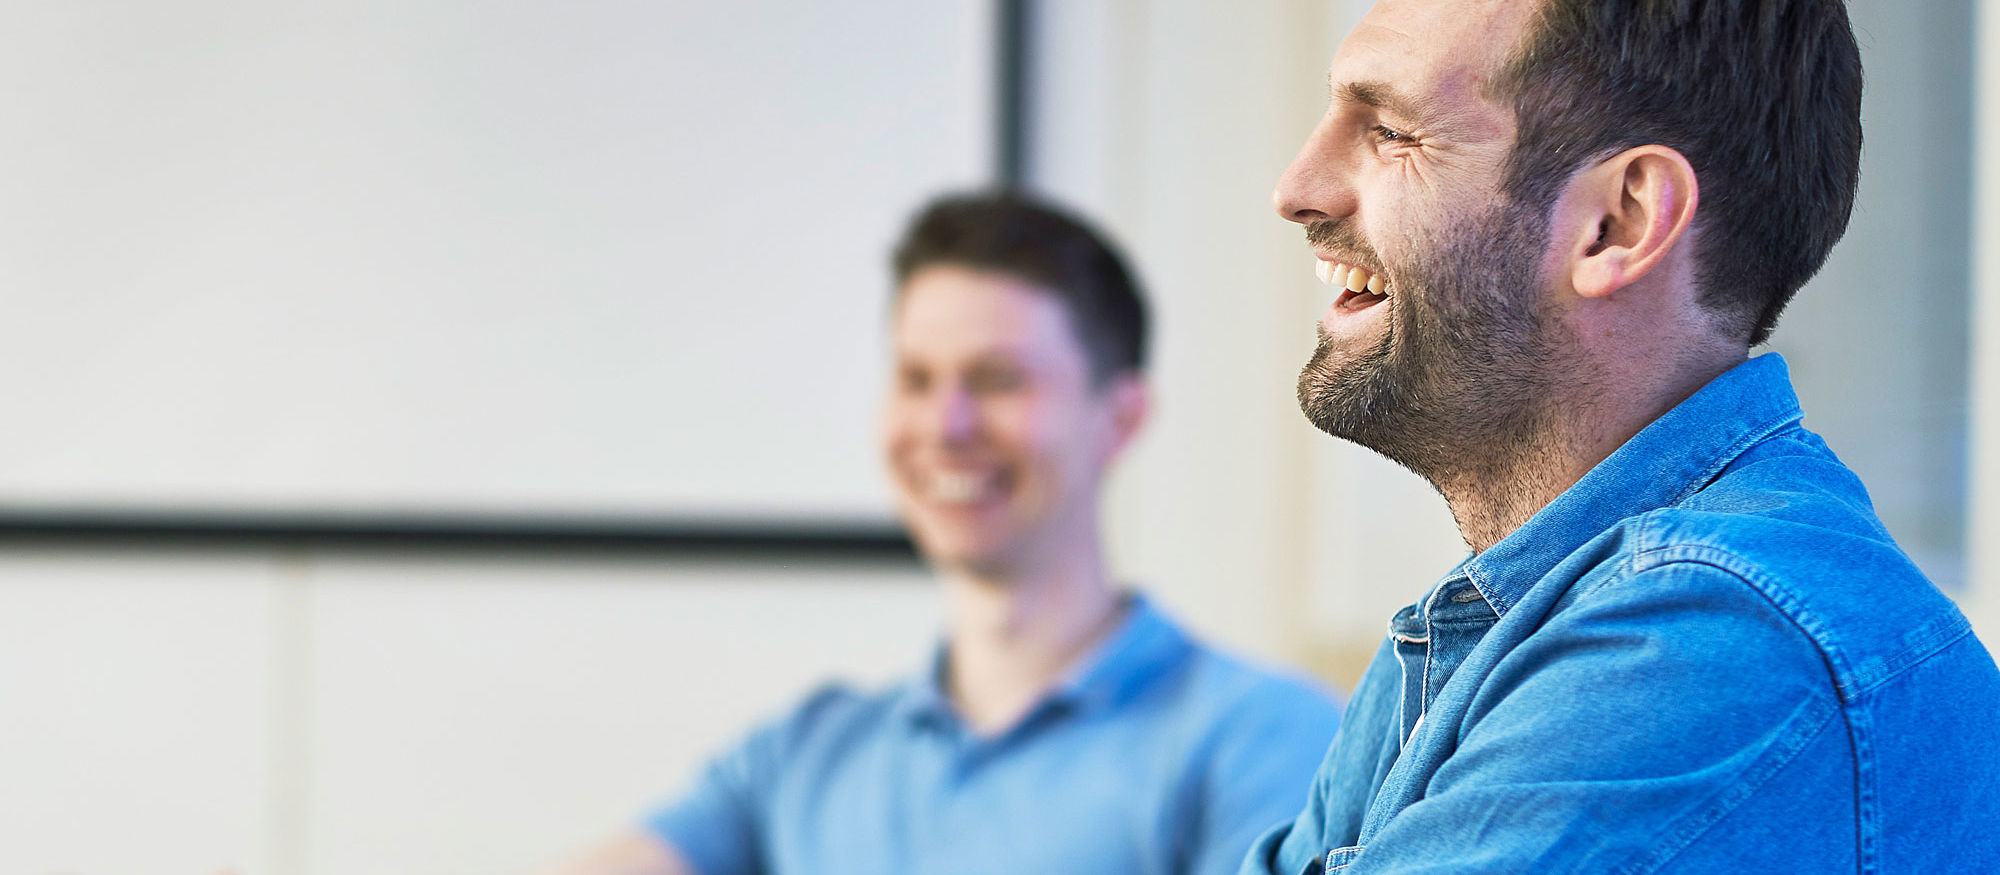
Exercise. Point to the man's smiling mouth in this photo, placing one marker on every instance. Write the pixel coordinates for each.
(965, 488)
(1360, 288)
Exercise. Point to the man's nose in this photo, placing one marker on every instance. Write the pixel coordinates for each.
(1318, 185)
(957, 416)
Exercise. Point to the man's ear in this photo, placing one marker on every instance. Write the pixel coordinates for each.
(1622, 216)
(1130, 400)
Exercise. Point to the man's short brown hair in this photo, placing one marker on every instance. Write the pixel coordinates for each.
(1763, 97)
(1039, 243)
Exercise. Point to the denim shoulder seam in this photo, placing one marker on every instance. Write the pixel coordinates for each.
(1851, 681)
(1828, 645)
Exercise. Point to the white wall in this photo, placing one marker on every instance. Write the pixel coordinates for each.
(139, 690)
(594, 258)
(313, 713)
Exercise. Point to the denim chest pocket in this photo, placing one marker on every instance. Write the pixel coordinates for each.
(1339, 858)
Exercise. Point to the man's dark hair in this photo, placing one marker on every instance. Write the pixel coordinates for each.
(1008, 233)
(1763, 97)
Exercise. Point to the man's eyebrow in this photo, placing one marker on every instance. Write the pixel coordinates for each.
(1382, 95)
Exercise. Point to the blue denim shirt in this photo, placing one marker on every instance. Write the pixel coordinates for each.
(1707, 655)
(1157, 755)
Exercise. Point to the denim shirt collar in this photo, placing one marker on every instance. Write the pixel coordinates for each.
(1144, 646)
(1665, 463)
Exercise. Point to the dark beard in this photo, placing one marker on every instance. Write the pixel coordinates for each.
(1463, 381)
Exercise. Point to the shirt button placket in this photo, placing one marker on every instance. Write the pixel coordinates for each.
(1412, 637)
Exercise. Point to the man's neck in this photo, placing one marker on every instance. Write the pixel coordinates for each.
(1491, 501)
(1492, 497)
(1013, 635)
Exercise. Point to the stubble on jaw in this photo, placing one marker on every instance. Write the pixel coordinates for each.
(1467, 384)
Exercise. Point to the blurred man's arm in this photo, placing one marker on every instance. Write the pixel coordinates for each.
(1261, 771)
(633, 853)
(718, 825)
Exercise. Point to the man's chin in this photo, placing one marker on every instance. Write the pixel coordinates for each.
(1347, 394)
(960, 554)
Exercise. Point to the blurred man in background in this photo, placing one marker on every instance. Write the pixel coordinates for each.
(1684, 642)
(1064, 725)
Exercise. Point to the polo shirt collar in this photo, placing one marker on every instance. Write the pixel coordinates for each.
(1144, 645)
(1665, 463)
(922, 700)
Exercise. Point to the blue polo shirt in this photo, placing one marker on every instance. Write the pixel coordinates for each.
(1706, 655)
(1155, 755)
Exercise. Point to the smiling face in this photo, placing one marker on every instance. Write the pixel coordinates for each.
(1441, 331)
(995, 434)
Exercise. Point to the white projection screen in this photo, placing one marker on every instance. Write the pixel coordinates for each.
(588, 259)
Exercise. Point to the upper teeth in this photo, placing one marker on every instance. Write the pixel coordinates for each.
(1351, 278)
(956, 488)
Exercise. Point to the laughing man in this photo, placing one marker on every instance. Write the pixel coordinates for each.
(1683, 641)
